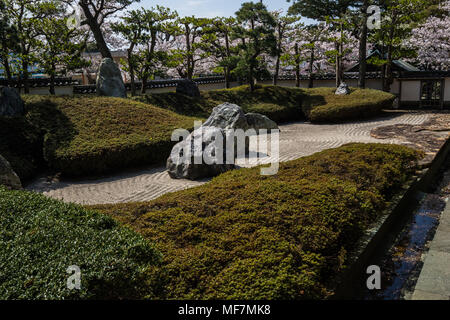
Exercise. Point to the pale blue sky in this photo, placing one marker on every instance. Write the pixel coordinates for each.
(209, 8)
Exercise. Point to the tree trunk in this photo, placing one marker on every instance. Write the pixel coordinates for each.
(144, 85)
(251, 79)
(388, 77)
(7, 69)
(297, 66)
(227, 77)
(311, 69)
(277, 71)
(25, 76)
(131, 69)
(96, 31)
(363, 48)
(52, 84)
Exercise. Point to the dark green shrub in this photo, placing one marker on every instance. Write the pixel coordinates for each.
(287, 236)
(280, 104)
(21, 145)
(40, 238)
(322, 105)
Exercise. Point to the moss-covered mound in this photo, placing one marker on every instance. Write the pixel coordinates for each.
(40, 238)
(248, 236)
(90, 135)
(280, 104)
(322, 105)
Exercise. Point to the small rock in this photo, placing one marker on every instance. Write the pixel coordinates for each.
(11, 104)
(188, 88)
(7, 175)
(343, 89)
(109, 80)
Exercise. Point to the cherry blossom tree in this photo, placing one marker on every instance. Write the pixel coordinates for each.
(431, 40)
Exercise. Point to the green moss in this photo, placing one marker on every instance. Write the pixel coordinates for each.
(40, 238)
(322, 105)
(248, 236)
(280, 104)
(90, 135)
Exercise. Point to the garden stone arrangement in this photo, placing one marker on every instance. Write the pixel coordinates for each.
(188, 88)
(343, 89)
(11, 104)
(223, 118)
(109, 80)
(179, 169)
(8, 177)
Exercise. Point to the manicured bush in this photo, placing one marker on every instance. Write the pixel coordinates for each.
(93, 135)
(322, 105)
(280, 104)
(21, 145)
(287, 236)
(40, 238)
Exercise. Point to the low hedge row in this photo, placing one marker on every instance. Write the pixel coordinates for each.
(322, 105)
(248, 236)
(40, 238)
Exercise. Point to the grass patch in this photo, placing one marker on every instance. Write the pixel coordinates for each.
(280, 104)
(322, 105)
(40, 238)
(93, 135)
(248, 236)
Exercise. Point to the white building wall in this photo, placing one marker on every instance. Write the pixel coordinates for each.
(410, 90)
(447, 89)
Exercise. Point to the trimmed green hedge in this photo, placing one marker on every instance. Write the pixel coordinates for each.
(280, 104)
(322, 105)
(94, 135)
(248, 236)
(40, 238)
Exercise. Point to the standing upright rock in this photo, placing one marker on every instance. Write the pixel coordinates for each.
(188, 88)
(7, 175)
(109, 80)
(343, 89)
(11, 104)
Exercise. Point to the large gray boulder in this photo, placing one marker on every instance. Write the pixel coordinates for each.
(258, 121)
(343, 89)
(210, 153)
(227, 116)
(188, 88)
(7, 175)
(109, 80)
(11, 104)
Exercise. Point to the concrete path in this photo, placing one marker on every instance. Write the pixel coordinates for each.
(434, 279)
(296, 140)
